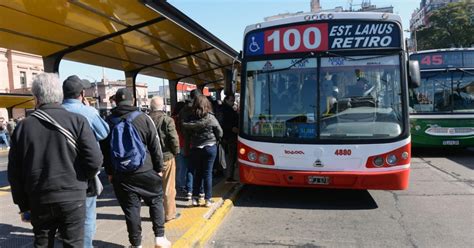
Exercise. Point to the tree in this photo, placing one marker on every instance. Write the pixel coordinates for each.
(451, 26)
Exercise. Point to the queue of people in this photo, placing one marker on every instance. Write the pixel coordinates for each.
(57, 152)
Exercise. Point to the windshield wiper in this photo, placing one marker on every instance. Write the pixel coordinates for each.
(310, 54)
(464, 71)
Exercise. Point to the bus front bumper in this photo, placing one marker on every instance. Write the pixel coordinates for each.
(386, 180)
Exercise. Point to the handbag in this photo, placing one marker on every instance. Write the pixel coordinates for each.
(40, 114)
(221, 156)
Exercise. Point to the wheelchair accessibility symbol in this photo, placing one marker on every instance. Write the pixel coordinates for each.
(253, 47)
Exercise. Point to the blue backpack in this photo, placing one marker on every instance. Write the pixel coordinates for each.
(127, 152)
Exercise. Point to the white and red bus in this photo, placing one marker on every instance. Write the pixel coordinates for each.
(324, 102)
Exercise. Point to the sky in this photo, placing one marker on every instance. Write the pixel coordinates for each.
(227, 19)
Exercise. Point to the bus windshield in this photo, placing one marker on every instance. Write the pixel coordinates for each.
(355, 98)
(445, 92)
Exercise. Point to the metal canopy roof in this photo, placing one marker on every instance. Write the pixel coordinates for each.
(17, 101)
(150, 37)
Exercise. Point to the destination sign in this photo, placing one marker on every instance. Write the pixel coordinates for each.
(440, 60)
(323, 37)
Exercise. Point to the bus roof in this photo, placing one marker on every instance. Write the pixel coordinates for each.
(327, 17)
(444, 50)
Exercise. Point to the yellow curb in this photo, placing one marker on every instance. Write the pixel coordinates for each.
(5, 190)
(199, 233)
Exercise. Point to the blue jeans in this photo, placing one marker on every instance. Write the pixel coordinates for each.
(181, 171)
(89, 228)
(3, 136)
(203, 161)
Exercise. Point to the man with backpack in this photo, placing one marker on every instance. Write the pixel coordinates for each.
(170, 148)
(134, 162)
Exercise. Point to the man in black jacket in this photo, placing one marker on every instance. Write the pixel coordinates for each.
(47, 175)
(230, 126)
(145, 182)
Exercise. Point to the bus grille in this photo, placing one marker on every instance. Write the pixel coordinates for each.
(450, 131)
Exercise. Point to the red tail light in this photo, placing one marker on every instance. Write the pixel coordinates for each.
(400, 156)
(249, 154)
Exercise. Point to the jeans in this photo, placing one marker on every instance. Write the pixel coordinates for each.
(203, 161)
(68, 217)
(90, 224)
(181, 171)
(3, 136)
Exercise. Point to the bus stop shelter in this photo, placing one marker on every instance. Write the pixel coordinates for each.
(148, 37)
(21, 101)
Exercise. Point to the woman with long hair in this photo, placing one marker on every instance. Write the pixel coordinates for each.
(202, 131)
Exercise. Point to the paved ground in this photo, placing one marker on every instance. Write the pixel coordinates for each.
(111, 228)
(436, 211)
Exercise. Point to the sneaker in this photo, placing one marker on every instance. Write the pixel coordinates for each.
(162, 242)
(195, 202)
(209, 203)
(189, 195)
(201, 196)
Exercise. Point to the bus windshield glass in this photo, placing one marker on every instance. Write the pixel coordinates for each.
(356, 97)
(444, 92)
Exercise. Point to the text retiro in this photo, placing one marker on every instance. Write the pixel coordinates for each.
(361, 35)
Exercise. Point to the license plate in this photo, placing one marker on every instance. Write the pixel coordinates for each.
(318, 180)
(451, 142)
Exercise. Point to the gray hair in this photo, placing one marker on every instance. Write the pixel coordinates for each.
(46, 87)
(156, 103)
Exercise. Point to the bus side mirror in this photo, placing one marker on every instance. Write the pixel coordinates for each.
(414, 78)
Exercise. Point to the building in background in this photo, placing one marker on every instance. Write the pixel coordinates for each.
(182, 89)
(100, 92)
(17, 70)
(315, 6)
(420, 17)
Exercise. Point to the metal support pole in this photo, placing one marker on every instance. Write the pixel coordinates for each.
(51, 63)
(173, 84)
(130, 83)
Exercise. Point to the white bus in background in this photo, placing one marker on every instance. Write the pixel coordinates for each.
(324, 102)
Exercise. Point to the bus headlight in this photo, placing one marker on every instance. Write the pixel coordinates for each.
(378, 161)
(391, 159)
(263, 159)
(405, 155)
(252, 156)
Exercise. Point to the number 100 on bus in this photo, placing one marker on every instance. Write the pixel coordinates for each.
(312, 37)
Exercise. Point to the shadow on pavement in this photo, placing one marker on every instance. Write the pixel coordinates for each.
(107, 203)
(442, 152)
(14, 236)
(462, 156)
(98, 243)
(102, 216)
(303, 198)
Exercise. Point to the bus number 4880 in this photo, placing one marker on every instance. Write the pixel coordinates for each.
(343, 152)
